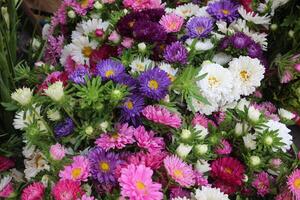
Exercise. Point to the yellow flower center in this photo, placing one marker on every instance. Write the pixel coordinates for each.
(87, 51)
(225, 11)
(228, 170)
(115, 136)
(140, 67)
(76, 172)
(213, 81)
(153, 84)
(109, 73)
(178, 173)
(200, 29)
(245, 75)
(129, 105)
(104, 166)
(297, 183)
(84, 3)
(140, 185)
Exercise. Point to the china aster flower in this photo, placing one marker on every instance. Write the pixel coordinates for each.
(136, 183)
(34, 191)
(129, 81)
(240, 40)
(155, 14)
(200, 179)
(132, 108)
(57, 151)
(176, 53)
(294, 183)
(101, 53)
(64, 128)
(6, 163)
(78, 170)
(109, 69)
(53, 49)
(262, 183)
(6, 187)
(147, 140)
(142, 4)
(199, 27)
(178, 193)
(86, 197)
(153, 160)
(254, 50)
(200, 119)
(103, 165)
(172, 23)
(180, 171)
(118, 140)
(228, 173)
(79, 74)
(154, 83)
(148, 31)
(210, 193)
(66, 189)
(125, 24)
(53, 78)
(224, 148)
(225, 10)
(162, 115)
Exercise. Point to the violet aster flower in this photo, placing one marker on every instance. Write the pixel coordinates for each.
(199, 27)
(79, 74)
(64, 128)
(240, 40)
(103, 165)
(131, 109)
(129, 81)
(176, 53)
(154, 83)
(224, 10)
(254, 50)
(148, 31)
(224, 43)
(109, 69)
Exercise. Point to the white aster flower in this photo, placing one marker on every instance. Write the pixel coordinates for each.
(53, 115)
(208, 193)
(81, 49)
(187, 10)
(28, 150)
(249, 141)
(35, 164)
(85, 28)
(168, 69)
(141, 64)
(223, 28)
(221, 58)
(183, 150)
(23, 119)
(253, 114)
(17, 175)
(276, 4)
(203, 132)
(203, 108)
(22, 95)
(247, 74)
(285, 114)
(55, 91)
(242, 104)
(201, 45)
(202, 166)
(254, 17)
(201, 12)
(4, 182)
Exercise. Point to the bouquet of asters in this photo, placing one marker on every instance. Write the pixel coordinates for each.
(149, 100)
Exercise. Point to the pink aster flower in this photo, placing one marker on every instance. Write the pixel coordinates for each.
(284, 195)
(172, 23)
(147, 140)
(294, 183)
(200, 119)
(219, 117)
(180, 171)
(138, 5)
(119, 140)
(57, 151)
(200, 180)
(86, 197)
(153, 160)
(276, 162)
(34, 191)
(108, 1)
(66, 190)
(77, 171)
(136, 183)
(262, 183)
(161, 115)
(114, 37)
(7, 190)
(286, 77)
(224, 148)
(297, 67)
(127, 42)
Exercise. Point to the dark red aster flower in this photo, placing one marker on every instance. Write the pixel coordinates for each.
(104, 52)
(126, 23)
(148, 31)
(247, 4)
(6, 163)
(225, 187)
(52, 78)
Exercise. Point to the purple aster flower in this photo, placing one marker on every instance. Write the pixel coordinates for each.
(254, 50)
(154, 83)
(64, 128)
(179, 192)
(224, 43)
(199, 27)
(126, 23)
(148, 31)
(103, 165)
(79, 74)
(131, 109)
(153, 15)
(176, 53)
(127, 80)
(224, 10)
(240, 40)
(109, 69)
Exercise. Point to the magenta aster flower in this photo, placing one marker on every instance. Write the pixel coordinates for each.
(199, 27)
(34, 191)
(224, 148)
(161, 115)
(122, 137)
(176, 53)
(78, 171)
(153, 160)
(154, 83)
(66, 189)
(262, 183)
(136, 183)
(294, 183)
(225, 10)
(142, 4)
(179, 192)
(180, 171)
(172, 23)
(200, 119)
(7, 190)
(6, 163)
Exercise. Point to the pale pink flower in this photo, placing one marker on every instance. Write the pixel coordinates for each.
(276, 162)
(286, 77)
(138, 5)
(114, 37)
(161, 115)
(57, 151)
(136, 183)
(262, 183)
(34, 191)
(127, 42)
(224, 148)
(172, 23)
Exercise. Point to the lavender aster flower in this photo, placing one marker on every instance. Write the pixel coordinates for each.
(131, 109)
(154, 83)
(148, 31)
(224, 10)
(176, 53)
(199, 27)
(78, 76)
(254, 50)
(103, 165)
(64, 128)
(109, 69)
(240, 40)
